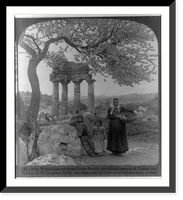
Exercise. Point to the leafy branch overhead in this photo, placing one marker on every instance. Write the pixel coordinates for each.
(125, 50)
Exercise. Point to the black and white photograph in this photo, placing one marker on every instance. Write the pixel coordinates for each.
(90, 99)
(88, 96)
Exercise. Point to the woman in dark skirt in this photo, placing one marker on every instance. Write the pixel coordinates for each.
(117, 137)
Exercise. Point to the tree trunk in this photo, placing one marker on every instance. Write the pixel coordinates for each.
(31, 126)
(33, 109)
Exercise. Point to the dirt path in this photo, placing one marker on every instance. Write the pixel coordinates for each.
(140, 153)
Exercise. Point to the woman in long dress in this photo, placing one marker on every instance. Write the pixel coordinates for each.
(117, 136)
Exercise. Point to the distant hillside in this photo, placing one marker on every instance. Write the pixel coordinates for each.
(138, 96)
(122, 98)
(45, 99)
(127, 96)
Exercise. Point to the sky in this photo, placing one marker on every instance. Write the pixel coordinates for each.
(101, 87)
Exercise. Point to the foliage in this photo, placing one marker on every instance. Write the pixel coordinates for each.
(121, 49)
(71, 108)
(139, 127)
(46, 100)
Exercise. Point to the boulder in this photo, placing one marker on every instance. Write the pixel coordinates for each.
(149, 112)
(141, 108)
(153, 118)
(49, 109)
(60, 139)
(52, 159)
(139, 114)
(21, 152)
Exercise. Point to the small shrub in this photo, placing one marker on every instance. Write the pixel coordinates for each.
(139, 127)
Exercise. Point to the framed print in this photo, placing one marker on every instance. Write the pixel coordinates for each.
(90, 98)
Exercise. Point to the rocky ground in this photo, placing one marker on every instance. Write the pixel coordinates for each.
(59, 138)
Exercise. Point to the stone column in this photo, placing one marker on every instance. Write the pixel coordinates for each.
(91, 98)
(55, 98)
(77, 92)
(65, 96)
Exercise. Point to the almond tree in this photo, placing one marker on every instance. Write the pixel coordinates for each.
(121, 49)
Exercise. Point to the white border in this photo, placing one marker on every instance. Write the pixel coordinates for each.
(84, 11)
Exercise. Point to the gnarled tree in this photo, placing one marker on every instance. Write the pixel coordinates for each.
(123, 50)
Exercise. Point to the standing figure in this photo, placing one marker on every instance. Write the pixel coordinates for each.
(117, 136)
(99, 134)
(84, 134)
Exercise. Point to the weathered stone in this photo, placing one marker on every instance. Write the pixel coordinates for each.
(149, 112)
(55, 99)
(91, 99)
(21, 152)
(74, 77)
(70, 67)
(65, 71)
(65, 96)
(52, 159)
(31, 143)
(60, 139)
(76, 94)
(141, 108)
(139, 114)
(153, 118)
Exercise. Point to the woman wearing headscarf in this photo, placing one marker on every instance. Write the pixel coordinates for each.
(117, 136)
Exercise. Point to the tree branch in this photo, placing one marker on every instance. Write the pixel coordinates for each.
(103, 40)
(27, 47)
(34, 40)
(46, 46)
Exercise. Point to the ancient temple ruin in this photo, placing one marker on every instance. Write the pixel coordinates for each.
(65, 72)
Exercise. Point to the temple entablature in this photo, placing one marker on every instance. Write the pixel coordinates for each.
(66, 73)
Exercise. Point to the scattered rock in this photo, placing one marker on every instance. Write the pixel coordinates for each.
(139, 114)
(52, 159)
(141, 108)
(149, 112)
(153, 118)
(136, 150)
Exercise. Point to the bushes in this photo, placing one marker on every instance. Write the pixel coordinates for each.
(139, 127)
(72, 108)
